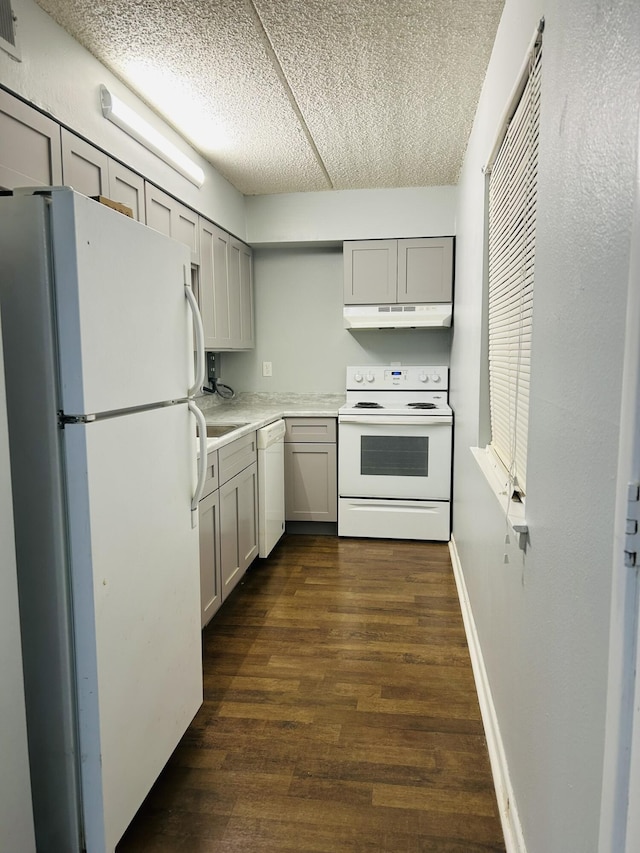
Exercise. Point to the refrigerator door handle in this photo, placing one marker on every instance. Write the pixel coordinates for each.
(197, 319)
(202, 461)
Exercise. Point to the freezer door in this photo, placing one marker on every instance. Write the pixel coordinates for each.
(135, 579)
(124, 325)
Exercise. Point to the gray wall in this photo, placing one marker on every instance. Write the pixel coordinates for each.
(350, 215)
(543, 617)
(300, 330)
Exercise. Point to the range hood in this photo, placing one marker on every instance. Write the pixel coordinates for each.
(398, 316)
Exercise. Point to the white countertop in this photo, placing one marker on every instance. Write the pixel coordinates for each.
(255, 410)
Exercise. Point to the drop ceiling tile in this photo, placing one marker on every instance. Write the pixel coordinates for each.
(301, 95)
(203, 68)
(388, 89)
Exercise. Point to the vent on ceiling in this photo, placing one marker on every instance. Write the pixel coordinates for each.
(8, 34)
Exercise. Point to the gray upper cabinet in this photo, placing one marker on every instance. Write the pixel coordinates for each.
(425, 269)
(127, 187)
(172, 218)
(398, 271)
(219, 328)
(90, 171)
(84, 167)
(370, 272)
(225, 289)
(30, 153)
(241, 280)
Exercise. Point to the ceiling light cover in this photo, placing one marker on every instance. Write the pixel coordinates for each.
(128, 120)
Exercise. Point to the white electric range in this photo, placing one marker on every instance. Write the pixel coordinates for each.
(394, 453)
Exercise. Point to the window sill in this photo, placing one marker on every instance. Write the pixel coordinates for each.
(496, 477)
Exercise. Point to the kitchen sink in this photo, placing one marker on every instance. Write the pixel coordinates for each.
(218, 430)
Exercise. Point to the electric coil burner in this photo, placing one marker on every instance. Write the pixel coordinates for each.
(394, 453)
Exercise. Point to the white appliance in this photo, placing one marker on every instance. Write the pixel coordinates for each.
(394, 453)
(270, 440)
(398, 316)
(98, 351)
(16, 814)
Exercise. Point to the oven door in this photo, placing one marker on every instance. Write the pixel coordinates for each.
(389, 457)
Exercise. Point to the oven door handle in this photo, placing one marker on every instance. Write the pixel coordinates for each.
(385, 420)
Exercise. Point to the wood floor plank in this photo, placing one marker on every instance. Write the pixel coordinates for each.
(339, 716)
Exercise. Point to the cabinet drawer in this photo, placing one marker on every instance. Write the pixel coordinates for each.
(310, 429)
(234, 457)
(211, 480)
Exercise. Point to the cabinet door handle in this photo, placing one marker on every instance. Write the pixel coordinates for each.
(197, 317)
(202, 462)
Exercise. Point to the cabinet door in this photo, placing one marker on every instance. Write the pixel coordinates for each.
(222, 324)
(311, 482)
(168, 216)
(370, 272)
(84, 167)
(210, 579)
(425, 269)
(233, 257)
(127, 187)
(30, 152)
(238, 527)
(241, 292)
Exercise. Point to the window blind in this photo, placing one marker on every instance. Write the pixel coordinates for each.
(512, 227)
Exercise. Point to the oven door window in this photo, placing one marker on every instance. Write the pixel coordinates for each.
(394, 455)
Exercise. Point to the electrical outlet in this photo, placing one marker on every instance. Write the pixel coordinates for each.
(266, 368)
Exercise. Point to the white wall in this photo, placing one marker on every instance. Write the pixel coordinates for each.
(351, 215)
(61, 78)
(299, 328)
(543, 617)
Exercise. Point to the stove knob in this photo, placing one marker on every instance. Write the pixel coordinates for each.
(435, 378)
(357, 377)
(370, 377)
(423, 377)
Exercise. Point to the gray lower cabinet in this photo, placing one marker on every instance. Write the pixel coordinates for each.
(210, 583)
(311, 472)
(228, 521)
(209, 528)
(30, 152)
(238, 526)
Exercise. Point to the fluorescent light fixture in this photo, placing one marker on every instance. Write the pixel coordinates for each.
(128, 120)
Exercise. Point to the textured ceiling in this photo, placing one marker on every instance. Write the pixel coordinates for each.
(303, 95)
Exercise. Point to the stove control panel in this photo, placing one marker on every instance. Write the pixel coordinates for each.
(409, 378)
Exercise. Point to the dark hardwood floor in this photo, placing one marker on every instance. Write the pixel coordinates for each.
(339, 716)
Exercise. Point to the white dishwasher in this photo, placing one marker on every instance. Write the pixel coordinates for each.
(270, 486)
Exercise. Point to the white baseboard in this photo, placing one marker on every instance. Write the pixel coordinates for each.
(513, 838)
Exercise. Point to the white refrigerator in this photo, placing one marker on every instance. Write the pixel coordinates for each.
(98, 321)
